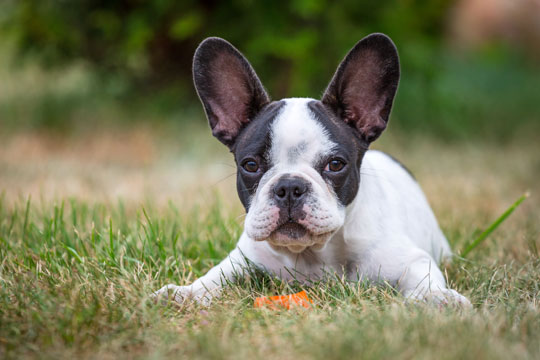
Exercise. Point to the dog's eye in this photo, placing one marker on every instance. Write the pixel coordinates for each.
(251, 166)
(334, 165)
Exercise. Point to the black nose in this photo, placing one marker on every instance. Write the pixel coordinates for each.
(290, 191)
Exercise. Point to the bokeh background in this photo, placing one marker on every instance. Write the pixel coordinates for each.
(97, 102)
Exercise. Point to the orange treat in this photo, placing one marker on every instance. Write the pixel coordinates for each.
(283, 301)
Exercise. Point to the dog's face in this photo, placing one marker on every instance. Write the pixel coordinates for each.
(297, 170)
(298, 159)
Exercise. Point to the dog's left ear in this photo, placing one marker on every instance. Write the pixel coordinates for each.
(363, 88)
(228, 87)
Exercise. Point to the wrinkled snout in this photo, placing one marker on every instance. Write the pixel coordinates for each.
(290, 193)
(293, 211)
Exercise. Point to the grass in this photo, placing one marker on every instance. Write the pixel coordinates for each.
(484, 235)
(75, 277)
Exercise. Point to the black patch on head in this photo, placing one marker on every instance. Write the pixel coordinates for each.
(350, 147)
(253, 142)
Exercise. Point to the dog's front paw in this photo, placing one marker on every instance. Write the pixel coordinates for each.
(438, 297)
(171, 292)
(180, 295)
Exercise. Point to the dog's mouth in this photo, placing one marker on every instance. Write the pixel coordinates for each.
(295, 237)
(292, 230)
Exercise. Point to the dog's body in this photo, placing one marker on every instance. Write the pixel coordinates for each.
(317, 201)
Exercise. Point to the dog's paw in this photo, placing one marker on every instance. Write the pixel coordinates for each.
(442, 297)
(171, 292)
(180, 295)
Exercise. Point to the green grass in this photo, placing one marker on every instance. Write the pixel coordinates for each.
(75, 279)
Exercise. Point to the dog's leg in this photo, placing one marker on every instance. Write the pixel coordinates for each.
(208, 286)
(423, 280)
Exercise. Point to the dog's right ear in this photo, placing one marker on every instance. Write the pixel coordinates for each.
(228, 87)
(363, 88)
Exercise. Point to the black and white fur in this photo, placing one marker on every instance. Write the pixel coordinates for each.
(317, 200)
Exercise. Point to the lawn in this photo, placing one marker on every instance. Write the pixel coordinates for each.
(91, 224)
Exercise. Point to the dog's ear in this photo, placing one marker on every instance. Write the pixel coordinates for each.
(228, 87)
(363, 88)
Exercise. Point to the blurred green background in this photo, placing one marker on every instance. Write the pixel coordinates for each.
(470, 69)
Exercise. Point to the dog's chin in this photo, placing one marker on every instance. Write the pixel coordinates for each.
(296, 238)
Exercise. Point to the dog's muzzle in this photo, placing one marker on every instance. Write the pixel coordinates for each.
(294, 214)
(289, 195)
(290, 192)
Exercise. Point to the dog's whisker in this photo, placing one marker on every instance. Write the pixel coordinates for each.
(240, 216)
(223, 179)
(225, 164)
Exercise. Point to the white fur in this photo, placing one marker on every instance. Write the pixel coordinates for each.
(295, 125)
(388, 233)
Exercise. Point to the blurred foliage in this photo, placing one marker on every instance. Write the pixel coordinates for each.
(141, 48)
(153, 41)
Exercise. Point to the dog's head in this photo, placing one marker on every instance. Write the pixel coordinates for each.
(298, 159)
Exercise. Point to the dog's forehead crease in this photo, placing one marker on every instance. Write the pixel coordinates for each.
(255, 138)
(297, 136)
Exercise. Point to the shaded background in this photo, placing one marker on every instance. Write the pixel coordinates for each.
(96, 97)
(468, 66)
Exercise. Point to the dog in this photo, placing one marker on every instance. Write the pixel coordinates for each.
(317, 200)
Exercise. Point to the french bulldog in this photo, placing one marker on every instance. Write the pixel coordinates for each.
(317, 200)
